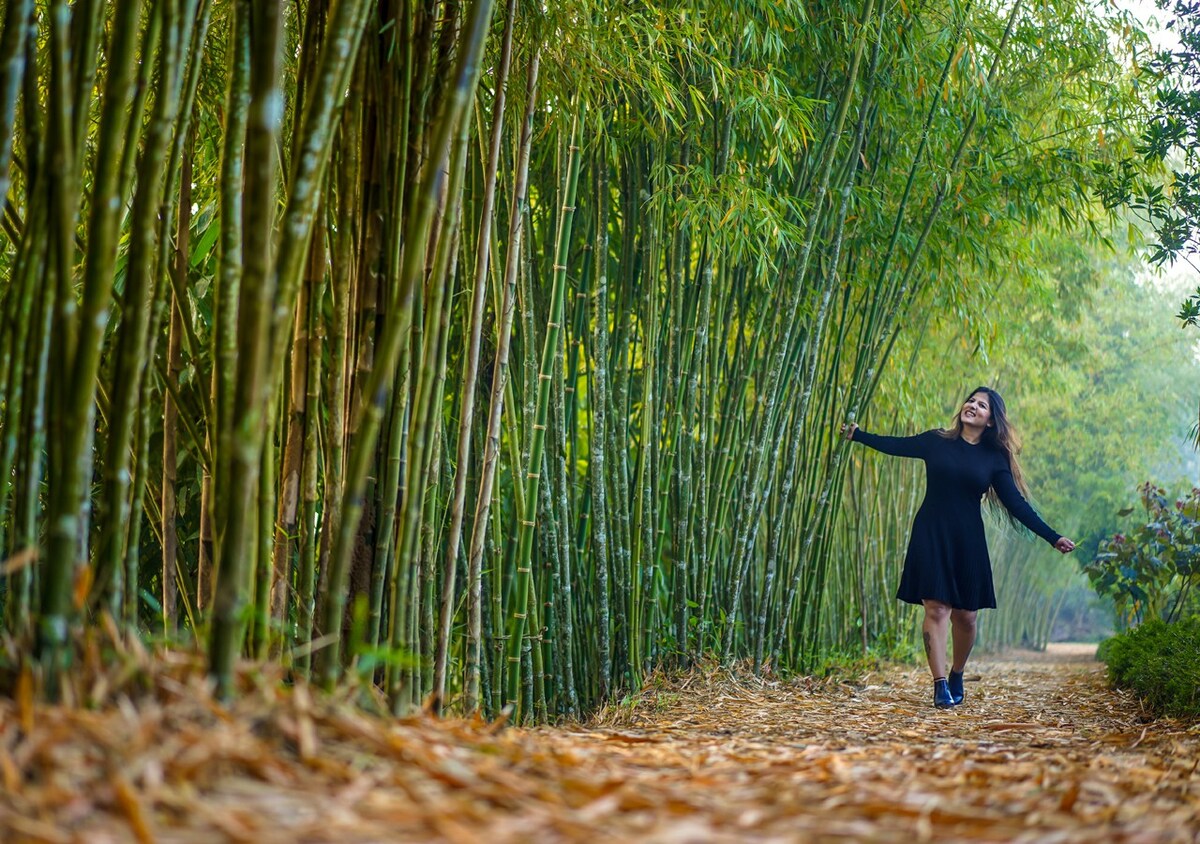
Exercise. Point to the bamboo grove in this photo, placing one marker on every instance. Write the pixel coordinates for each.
(489, 352)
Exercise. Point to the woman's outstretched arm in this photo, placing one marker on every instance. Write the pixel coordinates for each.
(1015, 503)
(896, 446)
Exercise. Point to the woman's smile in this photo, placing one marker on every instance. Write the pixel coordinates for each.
(976, 411)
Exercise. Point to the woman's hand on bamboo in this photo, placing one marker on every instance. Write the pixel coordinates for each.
(848, 429)
(1064, 545)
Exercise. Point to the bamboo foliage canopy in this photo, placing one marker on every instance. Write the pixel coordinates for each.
(492, 352)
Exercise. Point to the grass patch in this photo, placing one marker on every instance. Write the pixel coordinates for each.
(1160, 663)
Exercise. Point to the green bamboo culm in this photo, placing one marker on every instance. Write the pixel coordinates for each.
(72, 409)
(251, 394)
(517, 626)
(471, 363)
(499, 402)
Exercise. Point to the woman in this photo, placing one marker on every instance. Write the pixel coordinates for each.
(947, 569)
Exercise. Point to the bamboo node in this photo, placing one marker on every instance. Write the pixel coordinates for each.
(537, 427)
(544, 376)
(533, 474)
(523, 571)
(528, 524)
(520, 615)
(554, 325)
(560, 267)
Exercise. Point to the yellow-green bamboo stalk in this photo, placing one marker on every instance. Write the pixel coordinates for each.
(70, 400)
(498, 403)
(517, 626)
(251, 392)
(471, 360)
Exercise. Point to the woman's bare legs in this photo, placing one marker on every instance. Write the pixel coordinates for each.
(962, 625)
(934, 632)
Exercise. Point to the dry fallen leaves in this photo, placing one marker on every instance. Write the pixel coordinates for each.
(1041, 751)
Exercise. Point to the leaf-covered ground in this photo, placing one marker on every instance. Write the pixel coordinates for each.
(1040, 751)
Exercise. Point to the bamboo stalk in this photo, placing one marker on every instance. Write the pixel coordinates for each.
(521, 590)
(307, 545)
(12, 73)
(137, 300)
(251, 392)
(226, 304)
(321, 112)
(425, 447)
(16, 359)
(491, 452)
(30, 400)
(563, 569)
(71, 415)
(170, 533)
(471, 360)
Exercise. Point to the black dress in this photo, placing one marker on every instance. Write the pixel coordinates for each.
(947, 556)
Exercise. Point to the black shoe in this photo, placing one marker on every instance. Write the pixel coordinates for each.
(941, 694)
(955, 682)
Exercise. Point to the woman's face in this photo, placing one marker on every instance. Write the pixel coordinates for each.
(976, 411)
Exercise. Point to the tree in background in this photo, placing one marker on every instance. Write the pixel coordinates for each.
(1161, 185)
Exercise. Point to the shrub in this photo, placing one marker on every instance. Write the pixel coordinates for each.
(1150, 571)
(1160, 663)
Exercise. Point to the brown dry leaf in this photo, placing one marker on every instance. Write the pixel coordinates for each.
(130, 803)
(18, 561)
(82, 586)
(32, 830)
(1067, 802)
(626, 738)
(306, 736)
(8, 769)
(25, 704)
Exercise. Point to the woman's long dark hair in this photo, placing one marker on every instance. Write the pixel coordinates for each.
(1000, 434)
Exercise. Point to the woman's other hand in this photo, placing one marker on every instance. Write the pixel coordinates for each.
(848, 429)
(1064, 545)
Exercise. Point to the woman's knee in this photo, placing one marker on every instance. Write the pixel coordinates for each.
(936, 611)
(964, 619)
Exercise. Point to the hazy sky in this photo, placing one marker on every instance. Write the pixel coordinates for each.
(1148, 12)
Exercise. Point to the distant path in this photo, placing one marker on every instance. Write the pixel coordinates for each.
(1040, 751)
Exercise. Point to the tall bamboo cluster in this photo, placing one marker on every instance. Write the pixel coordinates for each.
(492, 352)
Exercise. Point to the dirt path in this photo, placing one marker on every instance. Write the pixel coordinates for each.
(1040, 751)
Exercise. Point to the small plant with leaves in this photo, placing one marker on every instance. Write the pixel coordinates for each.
(1150, 571)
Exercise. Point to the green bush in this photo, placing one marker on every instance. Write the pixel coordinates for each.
(1151, 571)
(1160, 663)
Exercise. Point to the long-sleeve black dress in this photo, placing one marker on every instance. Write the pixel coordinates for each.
(947, 556)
